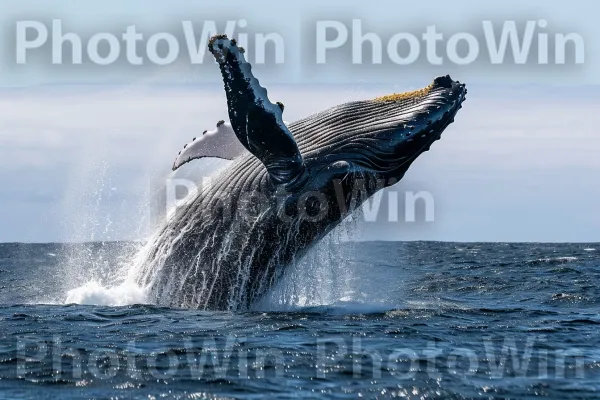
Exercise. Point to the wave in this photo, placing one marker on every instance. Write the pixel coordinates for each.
(552, 260)
(341, 307)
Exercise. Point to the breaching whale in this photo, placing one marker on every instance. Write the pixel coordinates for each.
(292, 185)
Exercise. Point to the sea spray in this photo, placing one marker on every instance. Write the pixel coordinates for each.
(102, 277)
(106, 273)
(321, 278)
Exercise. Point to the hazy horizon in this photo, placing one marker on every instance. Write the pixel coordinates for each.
(85, 148)
(89, 162)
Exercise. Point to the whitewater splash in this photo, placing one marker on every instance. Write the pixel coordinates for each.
(107, 281)
(95, 277)
(322, 278)
(93, 293)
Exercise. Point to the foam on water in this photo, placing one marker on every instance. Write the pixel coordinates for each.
(93, 293)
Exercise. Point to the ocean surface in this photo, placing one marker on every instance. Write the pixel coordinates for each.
(370, 319)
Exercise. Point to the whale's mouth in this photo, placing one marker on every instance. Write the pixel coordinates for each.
(386, 134)
(435, 109)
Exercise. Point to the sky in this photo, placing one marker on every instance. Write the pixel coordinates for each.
(85, 150)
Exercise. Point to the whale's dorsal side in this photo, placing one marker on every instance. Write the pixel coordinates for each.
(220, 142)
(256, 121)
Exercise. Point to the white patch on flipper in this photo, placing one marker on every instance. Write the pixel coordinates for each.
(220, 142)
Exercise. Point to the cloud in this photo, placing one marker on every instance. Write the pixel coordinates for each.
(82, 163)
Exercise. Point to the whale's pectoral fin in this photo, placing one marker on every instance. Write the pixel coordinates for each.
(220, 143)
(257, 123)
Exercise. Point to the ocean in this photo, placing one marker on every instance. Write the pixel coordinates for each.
(413, 320)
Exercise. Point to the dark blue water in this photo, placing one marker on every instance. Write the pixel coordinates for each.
(416, 320)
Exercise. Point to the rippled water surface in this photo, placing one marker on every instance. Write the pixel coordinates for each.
(375, 319)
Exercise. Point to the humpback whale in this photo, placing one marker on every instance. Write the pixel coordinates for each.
(291, 185)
